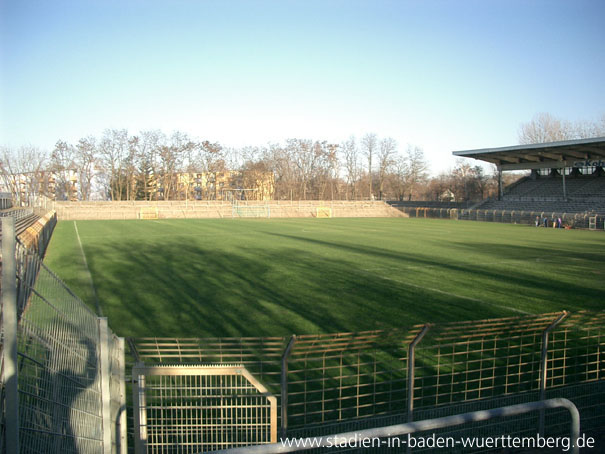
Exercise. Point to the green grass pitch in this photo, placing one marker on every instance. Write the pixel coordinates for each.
(199, 278)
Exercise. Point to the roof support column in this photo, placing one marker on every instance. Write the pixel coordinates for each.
(564, 188)
(499, 183)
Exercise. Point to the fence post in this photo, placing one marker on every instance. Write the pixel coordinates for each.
(9, 345)
(411, 360)
(122, 435)
(139, 409)
(284, 386)
(544, 365)
(105, 388)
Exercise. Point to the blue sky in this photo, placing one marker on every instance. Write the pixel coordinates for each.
(443, 75)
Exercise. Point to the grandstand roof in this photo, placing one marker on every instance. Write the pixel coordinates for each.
(568, 153)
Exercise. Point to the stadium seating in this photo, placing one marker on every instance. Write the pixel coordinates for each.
(24, 218)
(585, 194)
(428, 204)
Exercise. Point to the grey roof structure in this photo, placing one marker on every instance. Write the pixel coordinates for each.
(568, 153)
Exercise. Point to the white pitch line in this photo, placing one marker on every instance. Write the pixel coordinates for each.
(92, 285)
(172, 235)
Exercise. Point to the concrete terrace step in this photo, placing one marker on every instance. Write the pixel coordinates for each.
(219, 209)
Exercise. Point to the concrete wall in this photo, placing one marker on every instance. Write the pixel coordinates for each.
(219, 209)
(37, 235)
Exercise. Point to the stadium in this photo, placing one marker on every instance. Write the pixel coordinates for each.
(228, 325)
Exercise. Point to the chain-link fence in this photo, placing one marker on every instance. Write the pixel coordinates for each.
(60, 363)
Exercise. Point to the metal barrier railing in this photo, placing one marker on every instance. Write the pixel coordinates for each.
(333, 382)
(527, 217)
(187, 408)
(422, 426)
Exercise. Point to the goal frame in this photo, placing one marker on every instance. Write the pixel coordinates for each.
(235, 195)
(149, 213)
(251, 211)
(323, 212)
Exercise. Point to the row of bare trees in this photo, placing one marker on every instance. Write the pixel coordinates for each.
(120, 166)
(145, 166)
(116, 166)
(545, 127)
(465, 183)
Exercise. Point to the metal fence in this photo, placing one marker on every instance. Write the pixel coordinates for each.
(340, 382)
(194, 409)
(60, 363)
(6, 200)
(17, 213)
(388, 438)
(573, 220)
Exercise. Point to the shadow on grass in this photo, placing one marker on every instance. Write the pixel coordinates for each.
(178, 288)
(584, 253)
(174, 290)
(574, 296)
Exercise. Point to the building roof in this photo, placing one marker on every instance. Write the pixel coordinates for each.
(568, 153)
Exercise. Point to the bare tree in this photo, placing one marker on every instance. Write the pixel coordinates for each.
(212, 157)
(545, 128)
(113, 152)
(171, 157)
(148, 146)
(23, 172)
(350, 154)
(369, 143)
(587, 129)
(332, 166)
(324, 171)
(416, 170)
(208, 158)
(469, 182)
(86, 160)
(279, 161)
(62, 162)
(231, 158)
(386, 154)
(248, 155)
(400, 174)
(439, 188)
(253, 172)
(305, 157)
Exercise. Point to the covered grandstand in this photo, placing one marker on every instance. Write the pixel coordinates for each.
(566, 176)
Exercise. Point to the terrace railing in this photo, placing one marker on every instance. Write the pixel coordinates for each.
(353, 381)
(574, 220)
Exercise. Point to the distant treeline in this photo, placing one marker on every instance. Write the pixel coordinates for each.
(121, 166)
